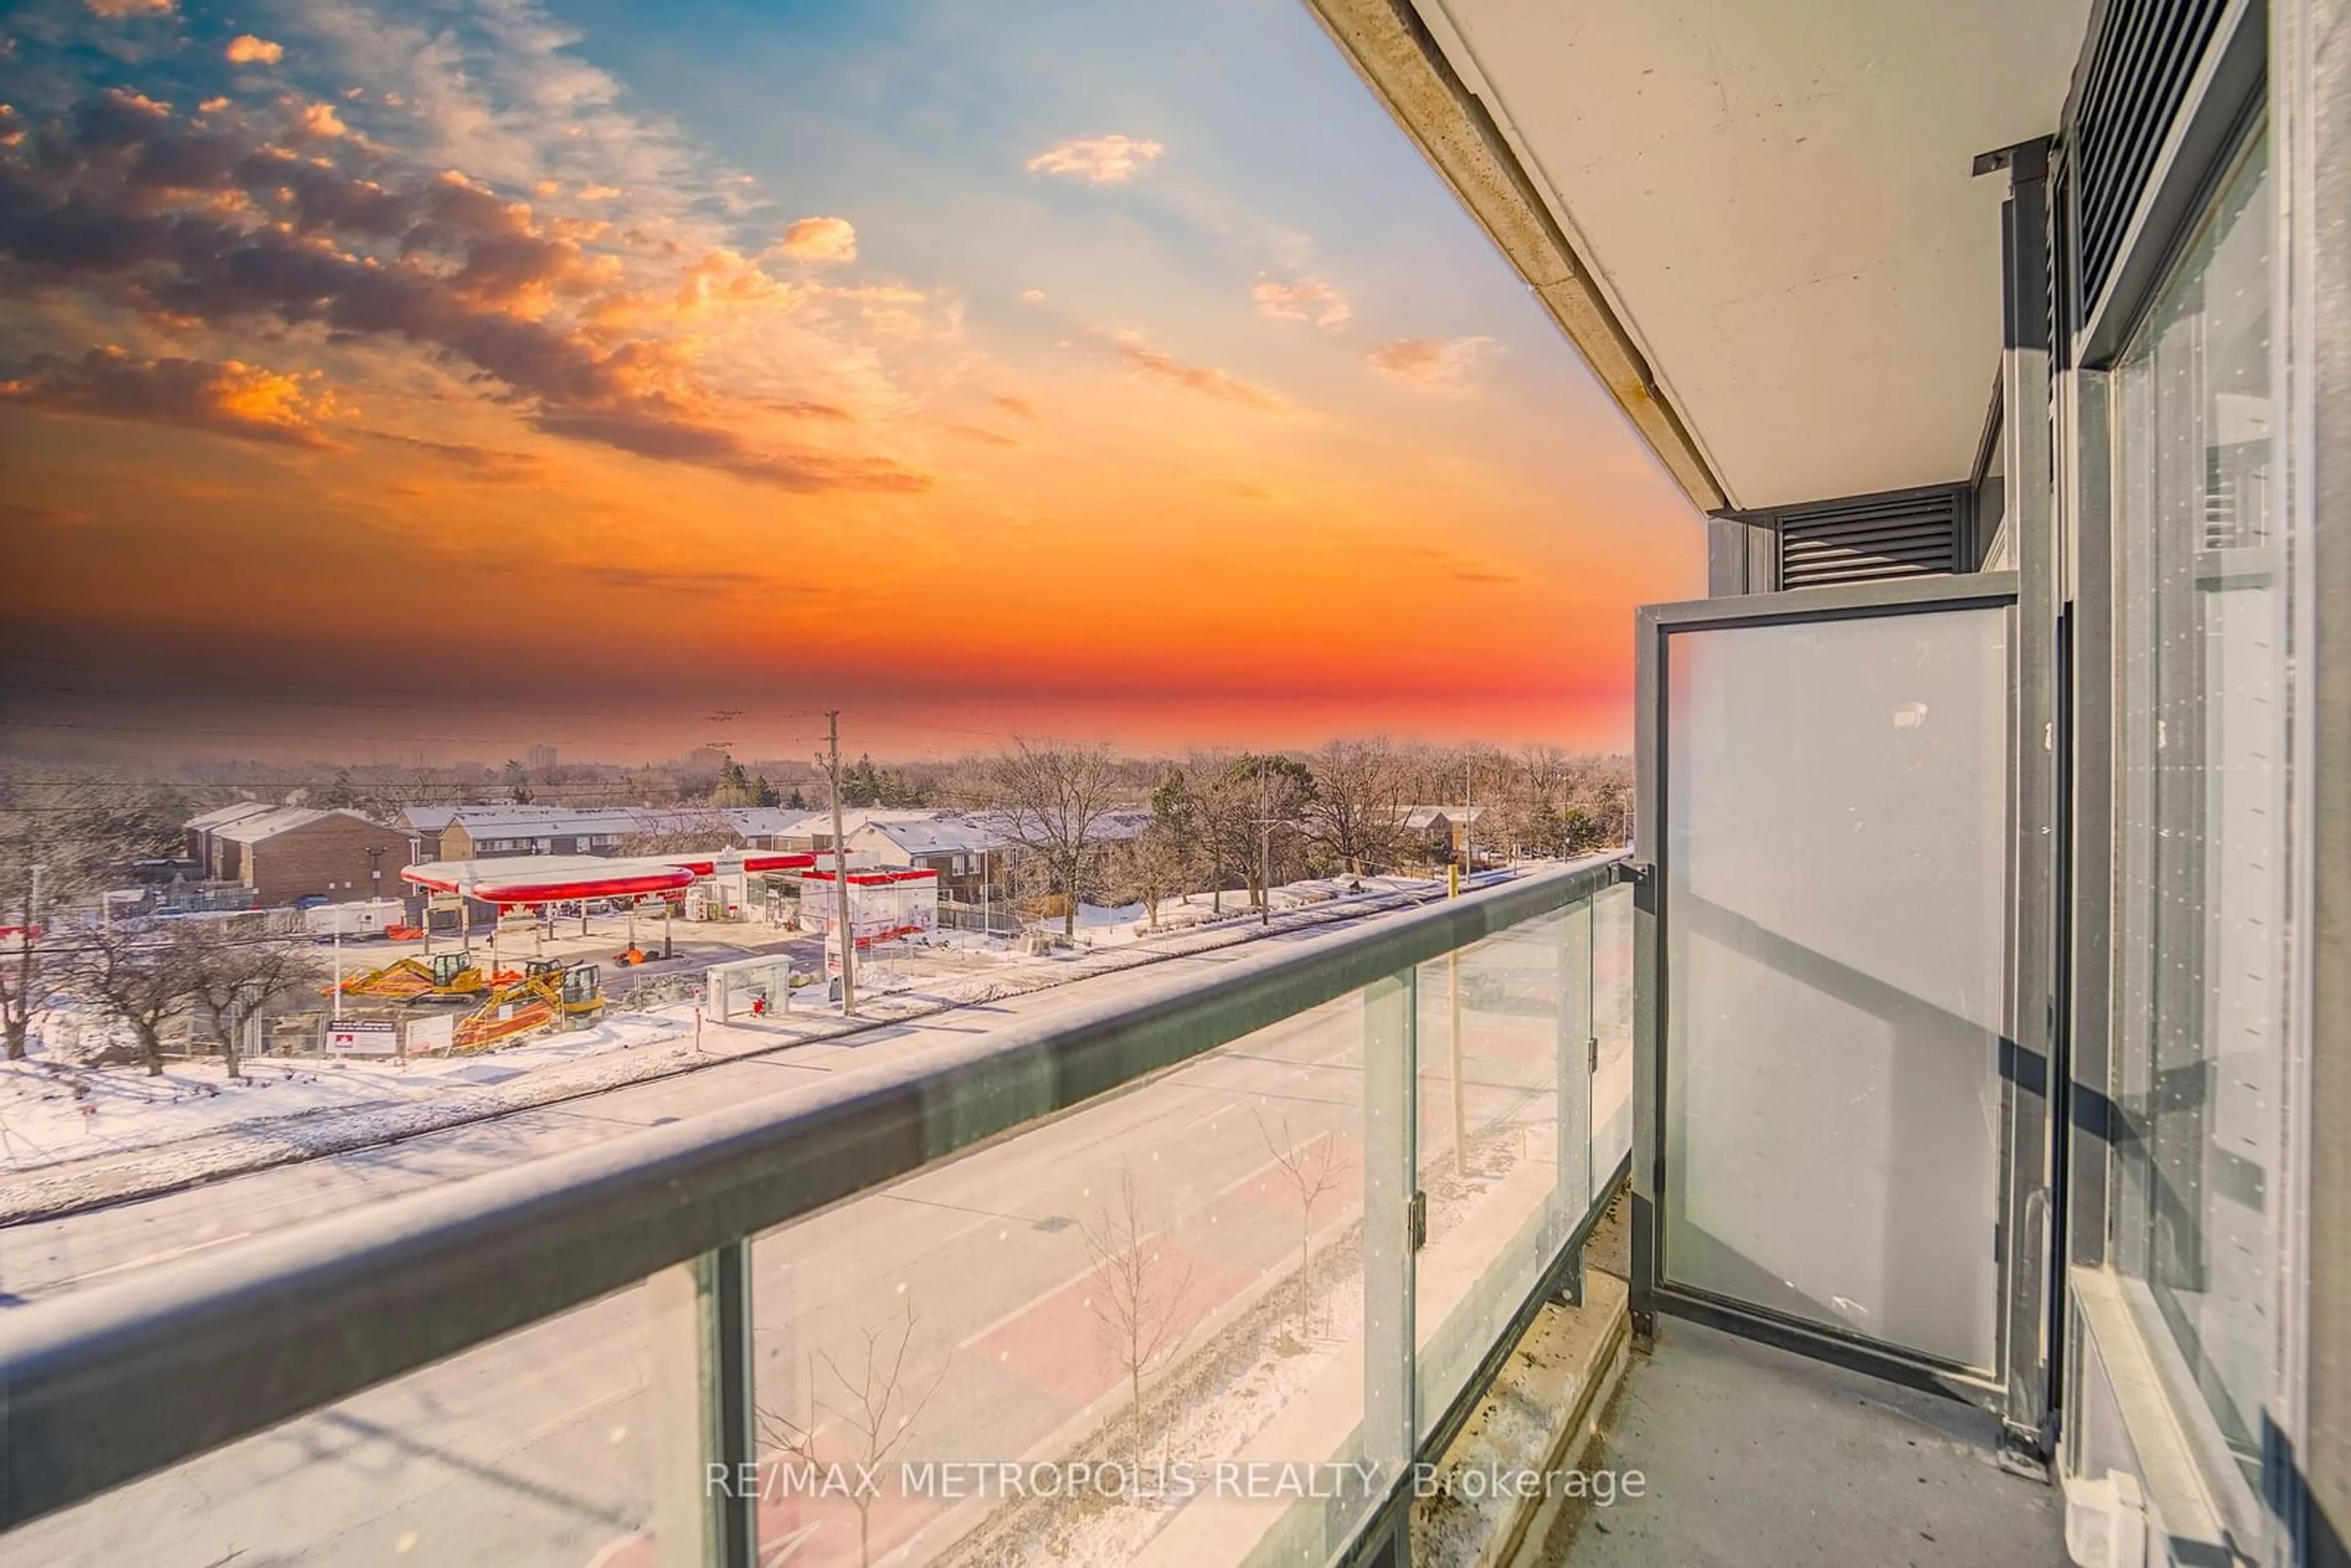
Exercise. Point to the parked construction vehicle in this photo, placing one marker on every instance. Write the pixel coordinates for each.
(546, 995)
(435, 978)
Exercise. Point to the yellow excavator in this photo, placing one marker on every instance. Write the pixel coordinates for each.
(547, 993)
(435, 978)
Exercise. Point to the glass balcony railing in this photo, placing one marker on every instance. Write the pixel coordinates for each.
(1189, 1275)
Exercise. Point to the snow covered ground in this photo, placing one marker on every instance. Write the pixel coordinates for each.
(1102, 926)
(64, 1121)
(53, 1108)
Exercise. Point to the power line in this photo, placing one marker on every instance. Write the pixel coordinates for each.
(331, 735)
(522, 705)
(529, 701)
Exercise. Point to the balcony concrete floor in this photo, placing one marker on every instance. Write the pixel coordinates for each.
(1753, 1455)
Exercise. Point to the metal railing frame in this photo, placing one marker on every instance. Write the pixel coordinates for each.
(100, 1387)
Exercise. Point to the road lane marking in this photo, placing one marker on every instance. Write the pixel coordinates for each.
(169, 1252)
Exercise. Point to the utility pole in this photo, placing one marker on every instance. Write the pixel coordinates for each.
(1264, 851)
(1469, 830)
(26, 962)
(840, 870)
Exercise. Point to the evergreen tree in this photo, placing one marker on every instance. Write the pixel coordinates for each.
(734, 787)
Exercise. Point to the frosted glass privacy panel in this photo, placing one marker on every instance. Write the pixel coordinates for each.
(1835, 823)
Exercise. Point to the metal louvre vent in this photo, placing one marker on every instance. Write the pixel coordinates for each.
(2140, 65)
(2056, 278)
(1870, 538)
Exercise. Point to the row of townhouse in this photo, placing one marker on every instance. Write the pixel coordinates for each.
(491, 833)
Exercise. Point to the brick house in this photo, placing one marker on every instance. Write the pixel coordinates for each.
(292, 852)
(200, 828)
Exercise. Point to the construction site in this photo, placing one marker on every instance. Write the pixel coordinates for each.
(507, 949)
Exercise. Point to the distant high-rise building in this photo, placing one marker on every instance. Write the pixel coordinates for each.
(542, 759)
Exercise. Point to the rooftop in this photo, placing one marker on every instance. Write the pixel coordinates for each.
(764, 822)
(267, 824)
(1429, 816)
(944, 833)
(221, 816)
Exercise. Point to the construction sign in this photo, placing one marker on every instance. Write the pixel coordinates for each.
(362, 1036)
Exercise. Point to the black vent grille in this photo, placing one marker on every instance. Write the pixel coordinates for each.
(1870, 538)
(2141, 64)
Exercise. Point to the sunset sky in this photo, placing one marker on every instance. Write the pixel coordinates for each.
(441, 378)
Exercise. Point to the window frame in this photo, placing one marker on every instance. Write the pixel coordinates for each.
(2232, 1499)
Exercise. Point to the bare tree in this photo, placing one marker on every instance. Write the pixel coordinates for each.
(29, 883)
(1357, 809)
(795, 1437)
(1138, 1305)
(1270, 795)
(877, 1409)
(1215, 821)
(1312, 1168)
(679, 830)
(1601, 788)
(137, 975)
(1053, 799)
(234, 979)
(1543, 771)
(61, 839)
(1243, 807)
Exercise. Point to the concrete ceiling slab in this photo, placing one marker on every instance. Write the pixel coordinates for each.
(1775, 199)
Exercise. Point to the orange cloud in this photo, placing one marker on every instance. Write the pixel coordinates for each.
(395, 252)
(319, 122)
(130, 7)
(1019, 406)
(820, 242)
(1131, 348)
(876, 294)
(486, 464)
(244, 49)
(227, 397)
(725, 280)
(1098, 160)
(659, 434)
(1310, 299)
(1032, 296)
(1432, 364)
